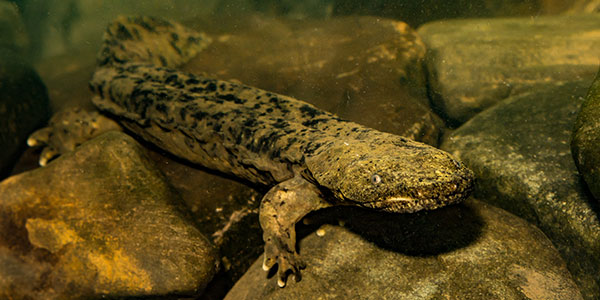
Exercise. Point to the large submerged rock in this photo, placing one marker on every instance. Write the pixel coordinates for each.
(474, 64)
(467, 251)
(23, 106)
(101, 221)
(585, 142)
(365, 69)
(519, 151)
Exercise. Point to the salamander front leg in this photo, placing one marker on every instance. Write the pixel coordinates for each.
(68, 129)
(281, 208)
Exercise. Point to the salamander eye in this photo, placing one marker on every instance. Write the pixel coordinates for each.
(375, 179)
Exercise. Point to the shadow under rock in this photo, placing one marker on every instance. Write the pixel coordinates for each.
(424, 233)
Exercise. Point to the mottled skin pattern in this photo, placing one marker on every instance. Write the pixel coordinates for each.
(310, 158)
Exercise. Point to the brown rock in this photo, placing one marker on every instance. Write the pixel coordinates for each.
(519, 152)
(100, 221)
(474, 64)
(586, 138)
(416, 13)
(23, 106)
(467, 251)
(364, 69)
(225, 210)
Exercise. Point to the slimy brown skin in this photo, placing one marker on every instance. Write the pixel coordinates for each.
(310, 158)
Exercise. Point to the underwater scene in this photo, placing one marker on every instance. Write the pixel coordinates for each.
(317, 149)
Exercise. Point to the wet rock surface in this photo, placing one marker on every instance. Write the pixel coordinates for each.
(585, 142)
(364, 69)
(418, 12)
(519, 151)
(467, 251)
(23, 106)
(474, 64)
(224, 210)
(100, 221)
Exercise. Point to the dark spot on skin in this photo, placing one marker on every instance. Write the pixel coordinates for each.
(100, 91)
(250, 123)
(199, 115)
(123, 33)
(211, 87)
(174, 36)
(174, 46)
(309, 111)
(313, 122)
(269, 110)
(218, 115)
(145, 25)
(186, 98)
(132, 69)
(232, 98)
(171, 79)
(163, 60)
(196, 90)
(192, 81)
(280, 123)
(161, 107)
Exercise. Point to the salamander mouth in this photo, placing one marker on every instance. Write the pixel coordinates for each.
(405, 204)
(421, 201)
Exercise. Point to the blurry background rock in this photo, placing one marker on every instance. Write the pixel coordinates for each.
(58, 26)
(416, 13)
(364, 69)
(586, 138)
(12, 29)
(23, 106)
(474, 64)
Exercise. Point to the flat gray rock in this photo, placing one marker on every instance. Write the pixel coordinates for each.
(519, 151)
(100, 221)
(585, 143)
(474, 64)
(467, 251)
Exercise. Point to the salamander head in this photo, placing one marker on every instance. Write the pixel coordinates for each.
(391, 174)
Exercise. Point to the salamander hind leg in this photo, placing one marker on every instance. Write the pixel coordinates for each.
(281, 208)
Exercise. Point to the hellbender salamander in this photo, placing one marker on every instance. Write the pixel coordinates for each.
(310, 158)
